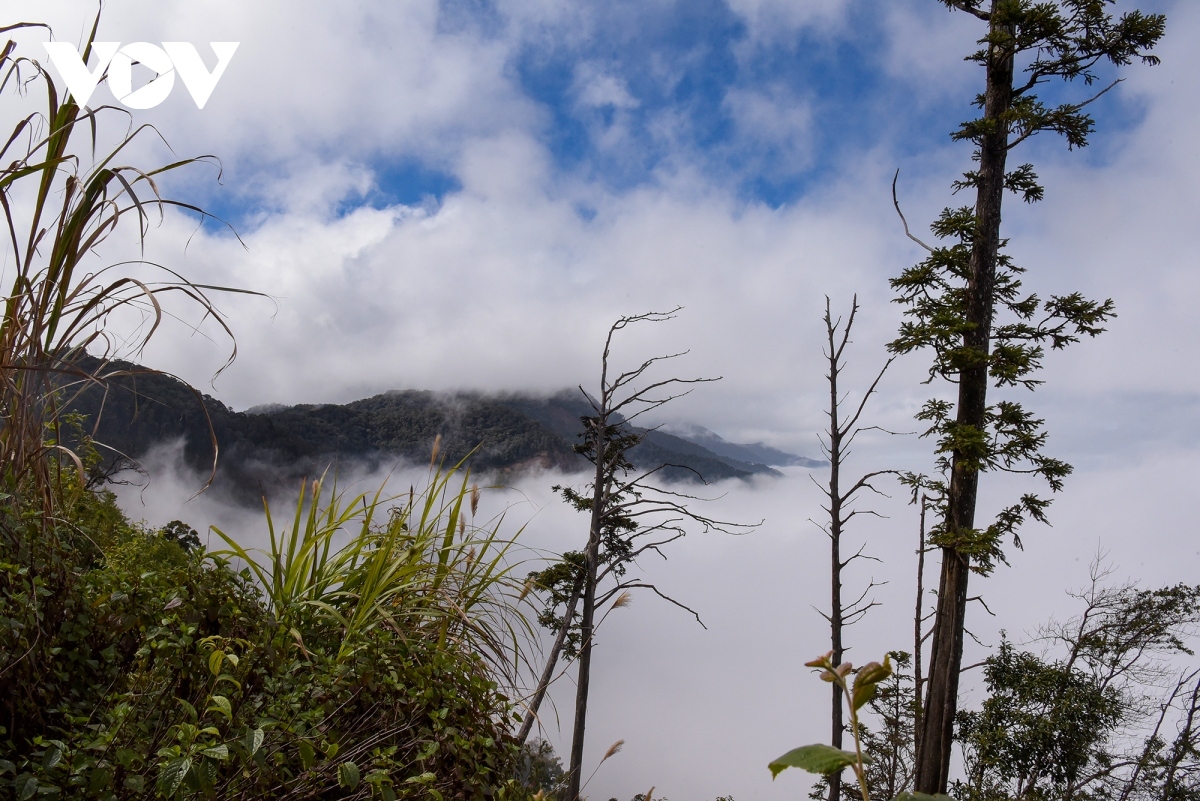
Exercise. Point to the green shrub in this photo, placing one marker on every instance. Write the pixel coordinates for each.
(144, 670)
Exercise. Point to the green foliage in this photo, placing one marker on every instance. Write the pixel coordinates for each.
(1040, 727)
(966, 302)
(539, 770)
(412, 563)
(1060, 726)
(816, 758)
(827, 760)
(162, 672)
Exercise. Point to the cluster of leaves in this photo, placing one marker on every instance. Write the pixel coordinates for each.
(539, 770)
(1012, 439)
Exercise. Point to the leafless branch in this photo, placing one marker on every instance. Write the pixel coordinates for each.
(896, 203)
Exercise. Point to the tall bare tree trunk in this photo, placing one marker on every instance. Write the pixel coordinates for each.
(841, 432)
(835, 550)
(945, 661)
(551, 662)
(588, 616)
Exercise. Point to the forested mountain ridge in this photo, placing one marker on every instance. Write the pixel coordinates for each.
(272, 446)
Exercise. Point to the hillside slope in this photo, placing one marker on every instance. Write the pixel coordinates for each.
(272, 446)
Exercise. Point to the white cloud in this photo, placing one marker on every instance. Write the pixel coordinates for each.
(597, 88)
(775, 21)
(772, 120)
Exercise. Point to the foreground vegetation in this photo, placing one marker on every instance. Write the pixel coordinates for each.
(136, 665)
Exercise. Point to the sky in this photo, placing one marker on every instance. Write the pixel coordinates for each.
(466, 194)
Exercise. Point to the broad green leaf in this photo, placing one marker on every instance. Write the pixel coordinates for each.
(348, 776)
(188, 708)
(816, 758)
(100, 779)
(206, 774)
(52, 757)
(331, 750)
(217, 752)
(7, 767)
(866, 682)
(214, 662)
(308, 756)
(26, 786)
(253, 741)
(221, 704)
(232, 659)
(173, 774)
(135, 783)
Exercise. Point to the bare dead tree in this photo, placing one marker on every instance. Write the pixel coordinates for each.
(835, 443)
(630, 513)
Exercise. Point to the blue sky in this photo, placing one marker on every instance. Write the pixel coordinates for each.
(464, 195)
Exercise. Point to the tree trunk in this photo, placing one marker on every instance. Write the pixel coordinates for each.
(835, 542)
(551, 661)
(587, 619)
(941, 700)
(918, 638)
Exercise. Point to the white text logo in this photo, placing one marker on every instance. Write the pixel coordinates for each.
(164, 61)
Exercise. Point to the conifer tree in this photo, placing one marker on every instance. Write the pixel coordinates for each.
(967, 304)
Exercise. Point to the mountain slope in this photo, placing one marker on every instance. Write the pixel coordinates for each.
(271, 447)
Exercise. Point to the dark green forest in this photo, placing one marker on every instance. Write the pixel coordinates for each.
(132, 409)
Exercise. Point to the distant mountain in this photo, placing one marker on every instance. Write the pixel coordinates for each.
(754, 453)
(270, 447)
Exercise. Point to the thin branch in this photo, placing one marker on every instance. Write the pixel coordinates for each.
(896, 203)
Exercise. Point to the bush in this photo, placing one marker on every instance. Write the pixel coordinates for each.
(140, 669)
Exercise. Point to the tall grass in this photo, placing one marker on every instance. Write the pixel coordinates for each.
(417, 563)
(62, 196)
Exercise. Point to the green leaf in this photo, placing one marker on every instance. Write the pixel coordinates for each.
(308, 756)
(7, 767)
(922, 797)
(52, 757)
(253, 741)
(221, 704)
(26, 786)
(816, 758)
(214, 662)
(206, 773)
(100, 778)
(424, 778)
(173, 774)
(135, 783)
(866, 683)
(348, 776)
(188, 708)
(220, 752)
